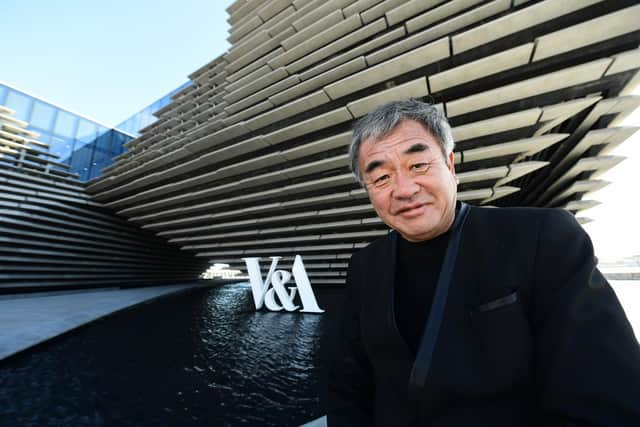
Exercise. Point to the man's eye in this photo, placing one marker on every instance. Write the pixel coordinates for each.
(381, 180)
(420, 167)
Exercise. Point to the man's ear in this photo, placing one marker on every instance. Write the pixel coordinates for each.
(452, 167)
(451, 163)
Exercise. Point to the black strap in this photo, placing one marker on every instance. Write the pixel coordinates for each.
(421, 366)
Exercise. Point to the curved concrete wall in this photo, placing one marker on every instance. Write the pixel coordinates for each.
(52, 235)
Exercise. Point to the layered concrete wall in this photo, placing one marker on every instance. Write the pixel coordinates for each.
(52, 235)
(251, 159)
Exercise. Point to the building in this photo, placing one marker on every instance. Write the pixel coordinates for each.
(145, 117)
(79, 144)
(76, 143)
(250, 159)
(51, 234)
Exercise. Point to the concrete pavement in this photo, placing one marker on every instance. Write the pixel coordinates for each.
(29, 319)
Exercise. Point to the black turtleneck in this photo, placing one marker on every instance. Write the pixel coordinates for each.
(417, 269)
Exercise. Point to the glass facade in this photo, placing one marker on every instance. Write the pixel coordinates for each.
(145, 117)
(83, 144)
(87, 146)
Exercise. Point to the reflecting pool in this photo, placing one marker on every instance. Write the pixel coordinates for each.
(205, 357)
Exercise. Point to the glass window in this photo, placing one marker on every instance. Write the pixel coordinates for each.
(146, 119)
(63, 147)
(42, 115)
(45, 135)
(65, 124)
(103, 147)
(131, 125)
(3, 95)
(20, 103)
(96, 169)
(118, 140)
(160, 103)
(84, 174)
(87, 132)
(81, 160)
(102, 130)
(140, 122)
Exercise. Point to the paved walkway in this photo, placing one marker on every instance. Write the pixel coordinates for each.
(29, 319)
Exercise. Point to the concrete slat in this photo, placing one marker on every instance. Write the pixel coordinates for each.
(409, 61)
(546, 83)
(484, 67)
(441, 13)
(413, 89)
(589, 32)
(516, 21)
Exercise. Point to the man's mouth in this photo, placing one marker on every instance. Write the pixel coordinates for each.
(412, 209)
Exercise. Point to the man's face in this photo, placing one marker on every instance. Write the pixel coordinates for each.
(411, 185)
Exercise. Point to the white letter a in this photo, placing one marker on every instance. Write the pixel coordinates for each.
(309, 304)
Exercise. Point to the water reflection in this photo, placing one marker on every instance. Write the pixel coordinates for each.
(205, 358)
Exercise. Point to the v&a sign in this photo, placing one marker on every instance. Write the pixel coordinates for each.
(264, 293)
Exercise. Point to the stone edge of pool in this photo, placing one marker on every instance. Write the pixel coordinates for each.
(27, 320)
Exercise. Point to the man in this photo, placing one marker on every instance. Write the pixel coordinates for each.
(471, 316)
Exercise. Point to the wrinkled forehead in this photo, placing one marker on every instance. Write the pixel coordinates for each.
(399, 140)
(402, 146)
(380, 131)
(404, 135)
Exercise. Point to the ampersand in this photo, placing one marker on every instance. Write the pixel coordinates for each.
(278, 280)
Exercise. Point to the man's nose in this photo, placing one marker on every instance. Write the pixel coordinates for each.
(405, 186)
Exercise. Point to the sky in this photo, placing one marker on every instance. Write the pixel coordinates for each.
(107, 60)
(615, 230)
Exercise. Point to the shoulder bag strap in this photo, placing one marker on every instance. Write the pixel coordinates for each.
(421, 366)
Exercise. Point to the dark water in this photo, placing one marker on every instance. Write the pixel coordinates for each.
(205, 358)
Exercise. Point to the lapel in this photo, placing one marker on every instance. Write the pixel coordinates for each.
(387, 343)
(444, 293)
(391, 297)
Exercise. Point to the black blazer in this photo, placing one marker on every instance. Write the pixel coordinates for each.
(532, 334)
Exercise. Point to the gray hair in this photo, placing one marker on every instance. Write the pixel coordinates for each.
(381, 121)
